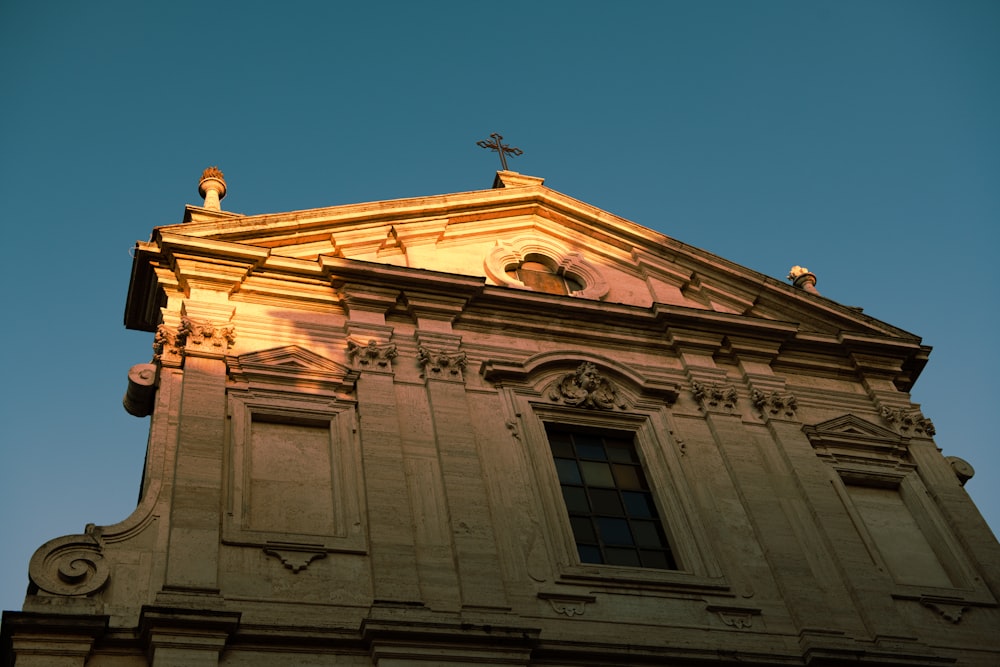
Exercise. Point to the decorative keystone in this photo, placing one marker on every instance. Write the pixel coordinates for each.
(587, 388)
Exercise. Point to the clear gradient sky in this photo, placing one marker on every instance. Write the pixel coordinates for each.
(858, 138)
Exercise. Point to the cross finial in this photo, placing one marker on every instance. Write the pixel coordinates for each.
(501, 148)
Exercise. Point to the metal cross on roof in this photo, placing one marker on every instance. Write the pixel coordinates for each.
(498, 146)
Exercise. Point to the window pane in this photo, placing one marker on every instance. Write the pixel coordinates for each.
(568, 472)
(638, 504)
(576, 500)
(621, 451)
(614, 531)
(618, 556)
(589, 447)
(597, 474)
(627, 477)
(583, 529)
(589, 554)
(606, 501)
(648, 534)
(660, 559)
(561, 445)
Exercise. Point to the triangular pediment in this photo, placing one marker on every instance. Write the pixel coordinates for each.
(290, 366)
(850, 440)
(487, 235)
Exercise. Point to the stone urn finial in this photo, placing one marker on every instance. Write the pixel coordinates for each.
(803, 279)
(212, 187)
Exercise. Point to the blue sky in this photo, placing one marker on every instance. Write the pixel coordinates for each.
(860, 139)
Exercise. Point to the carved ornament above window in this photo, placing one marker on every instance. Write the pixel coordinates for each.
(587, 388)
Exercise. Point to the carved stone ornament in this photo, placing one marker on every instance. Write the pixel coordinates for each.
(715, 396)
(738, 618)
(587, 388)
(907, 422)
(949, 610)
(774, 404)
(963, 469)
(372, 356)
(568, 605)
(206, 335)
(70, 565)
(168, 346)
(441, 364)
(294, 557)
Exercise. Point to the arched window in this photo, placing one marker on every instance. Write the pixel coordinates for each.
(540, 277)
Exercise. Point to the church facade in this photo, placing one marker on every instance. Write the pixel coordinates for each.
(505, 427)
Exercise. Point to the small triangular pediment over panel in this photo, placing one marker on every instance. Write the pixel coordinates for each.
(290, 368)
(852, 437)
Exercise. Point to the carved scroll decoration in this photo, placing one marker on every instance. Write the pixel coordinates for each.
(715, 396)
(774, 404)
(587, 388)
(907, 422)
(449, 365)
(372, 356)
(70, 565)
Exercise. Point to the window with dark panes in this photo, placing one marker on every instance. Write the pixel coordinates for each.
(541, 278)
(610, 503)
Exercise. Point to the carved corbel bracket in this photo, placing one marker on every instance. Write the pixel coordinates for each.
(371, 356)
(568, 605)
(295, 557)
(910, 423)
(775, 404)
(715, 397)
(738, 618)
(949, 610)
(441, 365)
(587, 388)
(70, 565)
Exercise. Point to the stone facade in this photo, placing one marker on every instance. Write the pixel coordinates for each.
(508, 428)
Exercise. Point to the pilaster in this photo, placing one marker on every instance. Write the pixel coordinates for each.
(390, 514)
(204, 337)
(185, 638)
(470, 521)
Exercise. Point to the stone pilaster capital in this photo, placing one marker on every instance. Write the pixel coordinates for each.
(715, 398)
(203, 338)
(774, 404)
(909, 422)
(371, 356)
(441, 365)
